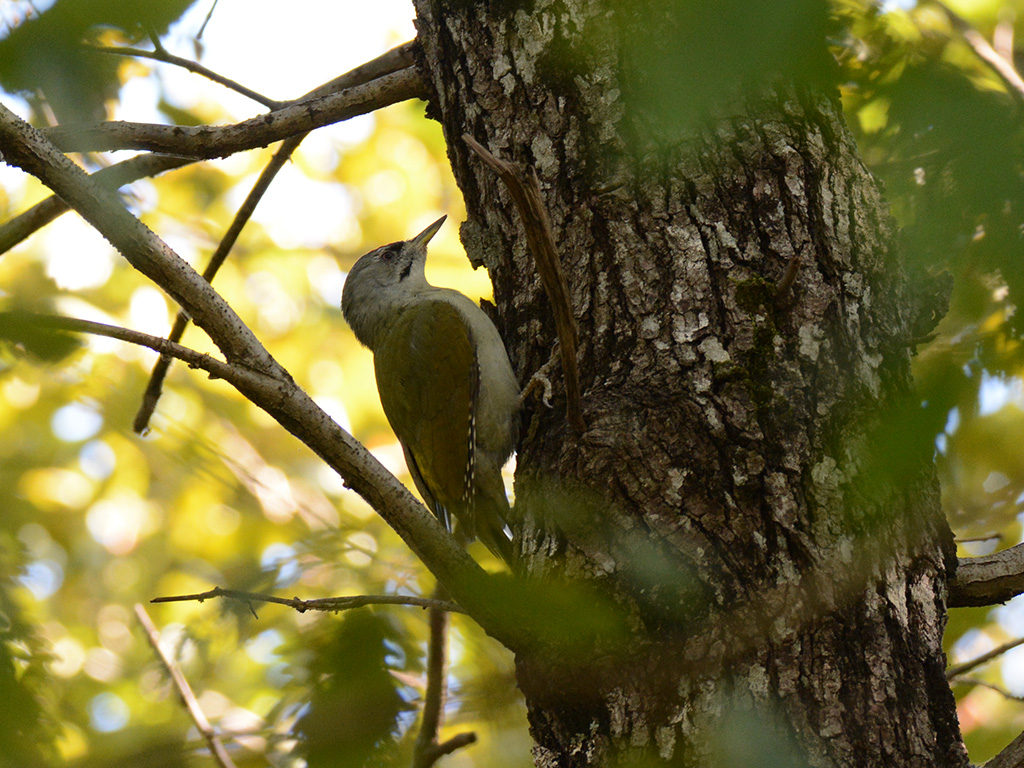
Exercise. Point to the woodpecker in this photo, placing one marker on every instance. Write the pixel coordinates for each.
(446, 385)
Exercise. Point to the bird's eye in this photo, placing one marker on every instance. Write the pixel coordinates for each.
(388, 252)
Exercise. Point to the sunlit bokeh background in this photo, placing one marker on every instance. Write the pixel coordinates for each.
(95, 519)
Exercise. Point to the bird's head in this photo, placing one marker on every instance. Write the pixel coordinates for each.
(383, 281)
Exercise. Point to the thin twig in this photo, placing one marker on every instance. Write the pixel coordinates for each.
(115, 176)
(162, 54)
(188, 698)
(12, 322)
(437, 689)
(209, 15)
(524, 186)
(427, 750)
(458, 741)
(318, 604)
(967, 666)
(397, 58)
(977, 681)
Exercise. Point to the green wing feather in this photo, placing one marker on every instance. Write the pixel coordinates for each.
(427, 377)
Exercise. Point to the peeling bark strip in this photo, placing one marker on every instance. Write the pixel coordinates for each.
(737, 451)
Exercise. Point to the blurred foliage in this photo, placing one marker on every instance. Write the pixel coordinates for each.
(355, 703)
(95, 519)
(45, 53)
(943, 132)
(685, 60)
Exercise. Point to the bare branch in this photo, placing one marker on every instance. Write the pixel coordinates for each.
(976, 681)
(332, 604)
(209, 15)
(398, 58)
(205, 141)
(162, 54)
(967, 666)
(115, 176)
(27, 148)
(185, 692)
(525, 190)
(154, 387)
(988, 579)
(216, 368)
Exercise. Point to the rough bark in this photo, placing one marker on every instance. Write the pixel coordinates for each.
(744, 359)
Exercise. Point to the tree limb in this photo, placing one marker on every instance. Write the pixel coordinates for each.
(988, 579)
(220, 755)
(205, 141)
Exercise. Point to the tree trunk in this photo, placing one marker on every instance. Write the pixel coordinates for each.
(745, 344)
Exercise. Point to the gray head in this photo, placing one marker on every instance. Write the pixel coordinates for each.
(384, 280)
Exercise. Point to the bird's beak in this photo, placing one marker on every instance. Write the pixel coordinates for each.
(424, 237)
